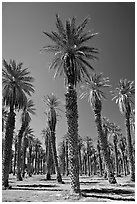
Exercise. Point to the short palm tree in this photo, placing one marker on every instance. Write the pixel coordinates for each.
(53, 105)
(71, 60)
(92, 89)
(16, 84)
(123, 95)
(25, 118)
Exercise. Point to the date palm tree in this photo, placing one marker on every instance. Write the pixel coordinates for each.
(27, 137)
(53, 105)
(25, 118)
(115, 132)
(16, 84)
(93, 90)
(71, 60)
(46, 134)
(123, 95)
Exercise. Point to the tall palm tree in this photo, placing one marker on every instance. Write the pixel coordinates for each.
(53, 105)
(71, 61)
(25, 118)
(93, 90)
(123, 95)
(16, 84)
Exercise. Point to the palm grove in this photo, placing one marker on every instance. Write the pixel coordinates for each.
(75, 155)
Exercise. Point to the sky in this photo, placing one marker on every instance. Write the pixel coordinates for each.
(23, 24)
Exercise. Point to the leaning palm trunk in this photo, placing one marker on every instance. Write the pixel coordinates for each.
(53, 146)
(72, 120)
(130, 148)
(8, 146)
(103, 141)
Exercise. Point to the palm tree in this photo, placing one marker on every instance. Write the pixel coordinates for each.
(27, 137)
(16, 85)
(53, 105)
(36, 149)
(46, 134)
(114, 131)
(92, 89)
(71, 61)
(123, 95)
(25, 118)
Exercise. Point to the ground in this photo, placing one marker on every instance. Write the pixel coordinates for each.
(93, 189)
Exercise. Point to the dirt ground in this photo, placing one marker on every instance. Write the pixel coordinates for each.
(93, 189)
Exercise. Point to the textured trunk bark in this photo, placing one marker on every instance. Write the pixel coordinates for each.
(116, 156)
(8, 147)
(80, 162)
(19, 164)
(100, 160)
(130, 148)
(48, 175)
(72, 120)
(24, 161)
(63, 159)
(54, 151)
(19, 177)
(103, 141)
(67, 163)
(15, 158)
(30, 162)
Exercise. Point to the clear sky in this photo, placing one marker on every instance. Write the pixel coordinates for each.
(23, 24)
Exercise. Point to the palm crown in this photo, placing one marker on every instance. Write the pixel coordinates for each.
(53, 104)
(123, 94)
(71, 54)
(16, 84)
(92, 88)
(27, 109)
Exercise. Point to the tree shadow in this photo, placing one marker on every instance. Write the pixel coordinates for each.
(102, 193)
(88, 182)
(106, 190)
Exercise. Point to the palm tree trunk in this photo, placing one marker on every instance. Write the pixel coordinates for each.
(72, 120)
(130, 148)
(48, 176)
(24, 161)
(116, 157)
(8, 146)
(30, 161)
(80, 162)
(66, 154)
(15, 158)
(19, 177)
(100, 160)
(54, 151)
(103, 141)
